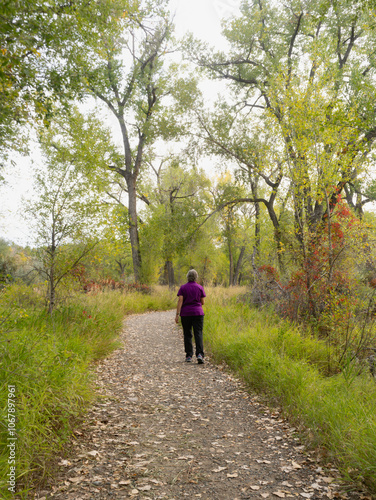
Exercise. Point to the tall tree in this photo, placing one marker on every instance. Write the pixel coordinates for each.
(177, 205)
(235, 220)
(226, 133)
(127, 71)
(307, 70)
(37, 39)
(65, 224)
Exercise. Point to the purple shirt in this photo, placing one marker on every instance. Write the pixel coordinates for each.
(192, 293)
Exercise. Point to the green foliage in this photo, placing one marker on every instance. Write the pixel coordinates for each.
(39, 43)
(7, 263)
(205, 254)
(298, 118)
(110, 259)
(65, 218)
(86, 145)
(48, 360)
(172, 219)
(335, 413)
(235, 221)
(84, 142)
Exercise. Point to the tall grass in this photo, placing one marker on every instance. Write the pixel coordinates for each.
(337, 413)
(48, 360)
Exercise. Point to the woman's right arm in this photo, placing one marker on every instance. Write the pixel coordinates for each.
(178, 308)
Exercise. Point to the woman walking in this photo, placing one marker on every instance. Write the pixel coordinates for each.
(190, 302)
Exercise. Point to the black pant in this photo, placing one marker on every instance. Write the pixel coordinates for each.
(197, 322)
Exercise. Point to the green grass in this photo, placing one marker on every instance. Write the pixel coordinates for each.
(48, 360)
(337, 413)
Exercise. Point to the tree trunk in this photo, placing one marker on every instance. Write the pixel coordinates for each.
(130, 174)
(51, 278)
(51, 294)
(277, 234)
(169, 270)
(121, 269)
(203, 275)
(254, 187)
(238, 267)
(231, 263)
(133, 227)
(257, 230)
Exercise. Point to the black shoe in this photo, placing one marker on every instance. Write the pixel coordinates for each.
(200, 359)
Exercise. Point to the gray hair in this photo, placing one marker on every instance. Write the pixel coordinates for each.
(192, 275)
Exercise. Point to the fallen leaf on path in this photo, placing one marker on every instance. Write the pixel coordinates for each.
(76, 479)
(279, 494)
(65, 463)
(219, 469)
(316, 486)
(235, 474)
(93, 453)
(255, 488)
(328, 479)
(295, 465)
(143, 463)
(147, 487)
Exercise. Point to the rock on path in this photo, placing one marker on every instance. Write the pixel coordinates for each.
(166, 429)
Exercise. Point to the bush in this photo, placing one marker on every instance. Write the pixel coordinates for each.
(326, 289)
(138, 287)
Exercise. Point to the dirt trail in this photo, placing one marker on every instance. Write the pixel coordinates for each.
(167, 429)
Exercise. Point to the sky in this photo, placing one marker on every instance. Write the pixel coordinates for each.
(200, 17)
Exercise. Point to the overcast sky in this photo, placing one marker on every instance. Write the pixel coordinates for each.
(201, 17)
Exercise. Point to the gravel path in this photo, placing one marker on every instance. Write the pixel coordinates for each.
(166, 429)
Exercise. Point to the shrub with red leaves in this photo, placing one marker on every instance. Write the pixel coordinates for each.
(323, 282)
(138, 287)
